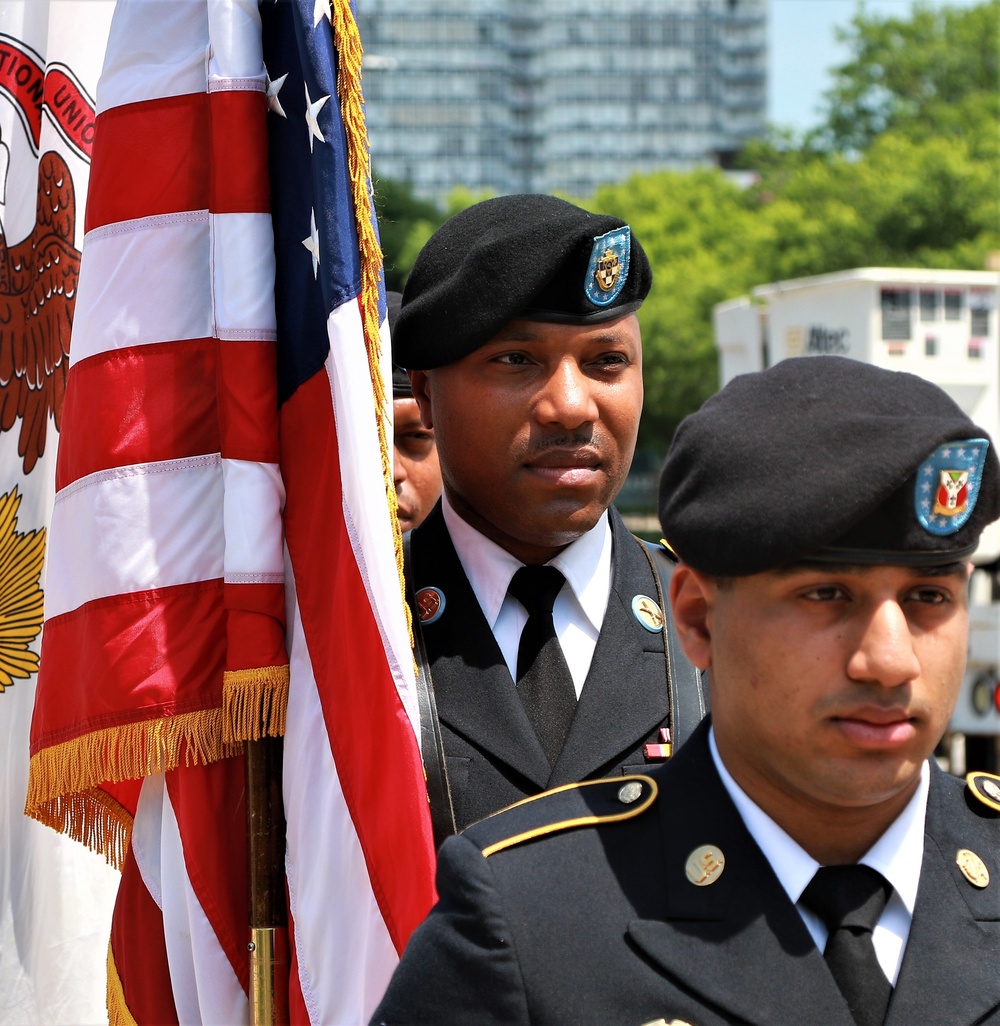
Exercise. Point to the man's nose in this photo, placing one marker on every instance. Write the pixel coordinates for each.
(884, 652)
(567, 397)
(399, 473)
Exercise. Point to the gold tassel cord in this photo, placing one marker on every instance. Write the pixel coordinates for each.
(94, 819)
(254, 703)
(64, 779)
(347, 41)
(118, 1010)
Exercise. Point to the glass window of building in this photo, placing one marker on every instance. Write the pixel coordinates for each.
(952, 305)
(895, 314)
(979, 322)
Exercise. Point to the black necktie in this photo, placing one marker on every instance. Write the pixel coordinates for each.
(543, 678)
(850, 900)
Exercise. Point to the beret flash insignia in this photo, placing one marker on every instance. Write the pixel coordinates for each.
(948, 485)
(607, 270)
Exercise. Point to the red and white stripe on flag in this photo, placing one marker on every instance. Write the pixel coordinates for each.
(164, 636)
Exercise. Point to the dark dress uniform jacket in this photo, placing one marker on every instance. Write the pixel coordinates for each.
(493, 755)
(601, 925)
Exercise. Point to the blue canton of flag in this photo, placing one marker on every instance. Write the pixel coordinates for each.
(315, 237)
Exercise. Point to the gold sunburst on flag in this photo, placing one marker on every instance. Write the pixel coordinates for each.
(21, 556)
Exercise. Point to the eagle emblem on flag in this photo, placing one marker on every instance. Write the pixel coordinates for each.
(38, 278)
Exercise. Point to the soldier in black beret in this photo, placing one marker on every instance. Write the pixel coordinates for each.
(802, 859)
(539, 617)
(416, 471)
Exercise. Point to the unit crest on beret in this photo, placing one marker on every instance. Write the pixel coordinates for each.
(589, 803)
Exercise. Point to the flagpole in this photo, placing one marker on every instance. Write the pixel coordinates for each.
(268, 947)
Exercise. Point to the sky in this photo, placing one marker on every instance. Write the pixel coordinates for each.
(803, 49)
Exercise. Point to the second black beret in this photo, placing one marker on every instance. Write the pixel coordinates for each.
(829, 458)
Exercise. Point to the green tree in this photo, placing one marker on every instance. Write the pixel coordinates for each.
(399, 211)
(695, 228)
(934, 73)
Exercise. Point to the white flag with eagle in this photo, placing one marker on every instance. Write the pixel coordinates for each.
(56, 896)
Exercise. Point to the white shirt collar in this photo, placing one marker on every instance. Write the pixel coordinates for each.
(897, 854)
(585, 563)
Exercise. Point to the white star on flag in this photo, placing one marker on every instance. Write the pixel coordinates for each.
(312, 115)
(312, 243)
(273, 88)
(321, 9)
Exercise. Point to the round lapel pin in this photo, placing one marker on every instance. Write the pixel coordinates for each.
(973, 868)
(648, 613)
(985, 787)
(430, 604)
(705, 865)
(629, 792)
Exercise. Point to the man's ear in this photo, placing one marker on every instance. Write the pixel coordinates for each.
(420, 383)
(691, 596)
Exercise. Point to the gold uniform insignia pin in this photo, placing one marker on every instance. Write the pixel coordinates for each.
(973, 868)
(705, 865)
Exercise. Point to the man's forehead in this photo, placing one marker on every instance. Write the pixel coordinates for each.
(525, 329)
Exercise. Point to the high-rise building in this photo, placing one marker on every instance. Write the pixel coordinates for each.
(558, 95)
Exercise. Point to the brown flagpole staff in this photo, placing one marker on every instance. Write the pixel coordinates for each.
(268, 947)
(254, 705)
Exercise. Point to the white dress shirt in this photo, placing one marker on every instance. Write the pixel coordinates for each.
(579, 608)
(897, 855)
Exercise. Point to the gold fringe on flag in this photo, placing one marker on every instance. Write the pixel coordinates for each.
(64, 779)
(254, 703)
(118, 1011)
(347, 42)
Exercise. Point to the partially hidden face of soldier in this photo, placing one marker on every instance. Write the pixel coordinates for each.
(802, 858)
(415, 469)
(519, 332)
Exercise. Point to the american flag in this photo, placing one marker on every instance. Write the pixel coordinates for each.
(352, 715)
(223, 465)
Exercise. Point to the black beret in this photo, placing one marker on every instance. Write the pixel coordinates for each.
(827, 458)
(527, 256)
(401, 388)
